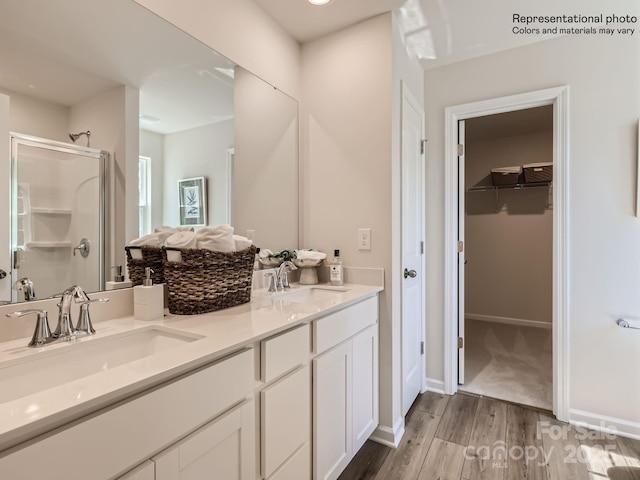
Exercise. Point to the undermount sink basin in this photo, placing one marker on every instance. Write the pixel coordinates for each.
(313, 294)
(62, 363)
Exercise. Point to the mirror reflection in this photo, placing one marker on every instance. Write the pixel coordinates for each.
(164, 106)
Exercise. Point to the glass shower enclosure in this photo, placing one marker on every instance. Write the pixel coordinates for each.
(58, 210)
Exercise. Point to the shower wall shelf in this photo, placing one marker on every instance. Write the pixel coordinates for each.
(33, 245)
(51, 211)
(516, 186)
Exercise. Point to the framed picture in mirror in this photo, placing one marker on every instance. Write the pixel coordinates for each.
(193, 201)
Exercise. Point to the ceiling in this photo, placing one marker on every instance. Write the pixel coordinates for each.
(53, 56)
(444, 31)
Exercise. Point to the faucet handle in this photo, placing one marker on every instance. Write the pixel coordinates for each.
(84, 325)
(42, 332)
(273, 282)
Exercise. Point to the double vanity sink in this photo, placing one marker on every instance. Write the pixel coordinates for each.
(45, 387)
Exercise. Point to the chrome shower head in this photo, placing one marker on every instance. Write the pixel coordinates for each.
(76, 136)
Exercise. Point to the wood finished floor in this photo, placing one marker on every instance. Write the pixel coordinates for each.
(466, 437)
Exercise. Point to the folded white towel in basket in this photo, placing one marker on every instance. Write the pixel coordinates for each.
(218, 238)
(151, 240)
(241, 242)
(181, 240)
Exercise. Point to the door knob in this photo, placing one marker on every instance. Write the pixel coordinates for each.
(3, 274)
(410, 273)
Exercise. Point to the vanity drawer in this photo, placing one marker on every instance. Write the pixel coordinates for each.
(284, 352)
(338, 327)
(113, 440)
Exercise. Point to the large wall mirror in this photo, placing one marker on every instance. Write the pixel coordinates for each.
(166, 108)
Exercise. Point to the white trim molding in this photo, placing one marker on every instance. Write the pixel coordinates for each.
(602, 423)
(389, 437)
(559, 98)
(435, 386)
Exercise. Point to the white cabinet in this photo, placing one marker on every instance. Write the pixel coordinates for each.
(332, 397)
(118, 438)
(286, 421)
(345, 386)
(365, 385)
(224, 448)
(285, 401)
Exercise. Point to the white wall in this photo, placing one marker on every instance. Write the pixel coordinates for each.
(198, 152)
(508, 238)
(32, 116)
(112, 118)
(265, 170)
(603, 254)
(241, 31)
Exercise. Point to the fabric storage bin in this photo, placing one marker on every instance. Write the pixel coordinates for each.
(505, 175)
(201, 281)
(538, 172)
(138, 258)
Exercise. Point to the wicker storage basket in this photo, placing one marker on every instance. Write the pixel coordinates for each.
(151, 257)
(205, 281)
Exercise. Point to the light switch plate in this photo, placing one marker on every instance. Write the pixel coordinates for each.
(364, 239)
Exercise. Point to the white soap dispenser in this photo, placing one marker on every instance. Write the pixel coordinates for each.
(148, 299)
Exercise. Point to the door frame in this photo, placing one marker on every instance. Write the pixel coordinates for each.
(559, 98)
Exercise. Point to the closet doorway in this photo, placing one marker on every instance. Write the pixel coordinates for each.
(506, 220)
(558, 97)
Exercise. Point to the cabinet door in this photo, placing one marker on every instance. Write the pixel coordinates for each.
(146, 471)
(222, 449)
(365, 385)
(332, 446)
(286, 420)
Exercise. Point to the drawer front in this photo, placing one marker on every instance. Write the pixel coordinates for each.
(297, 467)
(286, 418)
(284, 352)
(337, 327)
(112, 441)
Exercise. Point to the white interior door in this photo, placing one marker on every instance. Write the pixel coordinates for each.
(5, 208)
(412, 250)
(461, 249)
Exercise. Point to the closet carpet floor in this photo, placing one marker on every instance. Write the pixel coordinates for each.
(509, 362)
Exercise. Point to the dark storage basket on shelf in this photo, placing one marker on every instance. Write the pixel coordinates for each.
(151, 257)
(505, 175)
(538, 172)
(205, 281)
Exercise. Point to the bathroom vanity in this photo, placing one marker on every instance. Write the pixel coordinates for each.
(282, 388)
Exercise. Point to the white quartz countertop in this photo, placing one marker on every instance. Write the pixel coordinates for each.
(218, 334)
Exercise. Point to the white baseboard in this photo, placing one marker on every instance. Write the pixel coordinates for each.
(512, 321)
(602, 423)
(435, 386)
(389, 437)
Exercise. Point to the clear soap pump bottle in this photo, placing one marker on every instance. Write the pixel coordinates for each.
(335, 269)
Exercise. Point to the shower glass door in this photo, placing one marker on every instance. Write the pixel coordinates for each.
(58, 211)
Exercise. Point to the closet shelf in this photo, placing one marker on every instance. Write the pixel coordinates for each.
(516, 186)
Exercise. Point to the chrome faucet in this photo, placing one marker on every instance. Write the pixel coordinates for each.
(84, 326)
(64, 331)
(282, 279)
(65, 327)
(26, 286)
